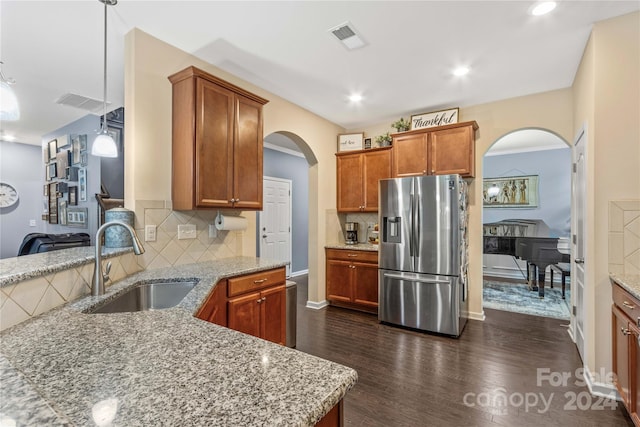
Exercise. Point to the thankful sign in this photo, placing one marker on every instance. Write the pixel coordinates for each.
(435, 118)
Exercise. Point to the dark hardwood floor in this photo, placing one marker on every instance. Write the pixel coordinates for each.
(407, 378)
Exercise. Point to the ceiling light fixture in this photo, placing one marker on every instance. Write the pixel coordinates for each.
(348, 36)
(9, 108)
(356, 97)
(542, 8)
(104, 145)
(461, 71)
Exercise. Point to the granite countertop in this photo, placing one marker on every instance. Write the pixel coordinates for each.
(630, 282)
(161, 367)
(358, 247)
(17, 269)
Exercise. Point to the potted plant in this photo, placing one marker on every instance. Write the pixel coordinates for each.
(401, 125)
(384, 140)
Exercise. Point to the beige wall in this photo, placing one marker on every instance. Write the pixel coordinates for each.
(607, 98)
(549, 110)
(148, 153)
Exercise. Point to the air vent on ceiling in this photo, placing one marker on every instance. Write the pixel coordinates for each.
(81, 102)
(347, 34)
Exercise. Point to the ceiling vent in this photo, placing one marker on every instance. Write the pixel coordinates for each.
(347, 34)
(81, 102)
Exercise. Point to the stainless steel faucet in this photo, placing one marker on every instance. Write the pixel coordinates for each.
(97, 284)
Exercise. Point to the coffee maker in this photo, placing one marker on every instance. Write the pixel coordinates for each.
(351, 233)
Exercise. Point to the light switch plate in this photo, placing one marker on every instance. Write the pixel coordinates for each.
(186, 231)
(150, 233)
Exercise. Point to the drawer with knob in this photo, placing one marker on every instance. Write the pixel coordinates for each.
(628, 304)
(255, 281)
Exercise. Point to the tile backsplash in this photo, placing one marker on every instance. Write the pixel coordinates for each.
(168, 250)
(624, 237)
(29, 298)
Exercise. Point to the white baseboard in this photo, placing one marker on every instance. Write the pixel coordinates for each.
(317, 305)
(599, 388)
(299, 273)
(476, 316)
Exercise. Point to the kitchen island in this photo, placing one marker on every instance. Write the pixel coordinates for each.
(161, 367)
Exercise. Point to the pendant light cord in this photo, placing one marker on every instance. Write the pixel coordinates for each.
(104, 95)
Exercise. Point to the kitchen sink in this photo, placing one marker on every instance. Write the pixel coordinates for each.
(147, 296)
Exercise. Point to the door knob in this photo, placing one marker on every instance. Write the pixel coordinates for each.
(579, 261)
(264, 236)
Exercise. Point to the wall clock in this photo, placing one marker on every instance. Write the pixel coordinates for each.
(8, 195)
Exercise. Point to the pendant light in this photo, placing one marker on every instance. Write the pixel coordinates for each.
(104, 145)
(9, 108)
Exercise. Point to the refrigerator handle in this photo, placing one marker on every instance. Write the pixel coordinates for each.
(417, 205)
(411, 222)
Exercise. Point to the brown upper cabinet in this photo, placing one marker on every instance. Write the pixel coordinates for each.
(217, 143)
(438, 150)
(358, 174)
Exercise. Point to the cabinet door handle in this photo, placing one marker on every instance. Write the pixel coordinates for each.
(624, 331)
(424, 172)
(232, 200)
(352, 255)
(433, 171)
(264, 298)
(628, 305)
(257, 282)
(259, 300)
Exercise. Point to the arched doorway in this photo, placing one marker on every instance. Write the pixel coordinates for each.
(526, 189)
(287, 159)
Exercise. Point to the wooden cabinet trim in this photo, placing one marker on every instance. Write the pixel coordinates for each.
(197, 72)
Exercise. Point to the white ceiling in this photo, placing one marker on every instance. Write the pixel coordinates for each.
(55, 47)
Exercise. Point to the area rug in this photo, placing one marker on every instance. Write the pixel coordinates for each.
(518, 298)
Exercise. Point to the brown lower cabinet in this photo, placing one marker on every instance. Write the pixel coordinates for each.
(254, 304)
(626, 349)
(352, 279)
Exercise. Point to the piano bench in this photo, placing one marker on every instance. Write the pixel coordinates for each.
(564, 269)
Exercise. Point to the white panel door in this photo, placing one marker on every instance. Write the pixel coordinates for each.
(275, 221)
(578, 241)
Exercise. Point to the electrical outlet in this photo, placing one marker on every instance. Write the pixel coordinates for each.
(186, 231)
(32, 223)
(150, 233)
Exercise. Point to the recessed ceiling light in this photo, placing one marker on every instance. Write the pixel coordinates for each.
(461, 71)
(356, 97)
(542, 8)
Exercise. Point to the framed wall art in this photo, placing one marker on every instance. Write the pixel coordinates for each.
(53, 149)
(434, 118)
(73, 195)
(75, 149)
(77, 217)
(82, 183)
(351, 141)
(510, 192)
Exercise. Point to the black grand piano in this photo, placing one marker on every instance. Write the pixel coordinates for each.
(527, 239)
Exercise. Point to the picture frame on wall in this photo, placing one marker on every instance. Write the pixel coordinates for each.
(62, 212)
(73, 195)
(82, 184)
(350, 141)
(84, 158)
(510, 192)
(52, 171)
(367, 143)
(62, 160)
(53, 149)
(77, 217)
(83, 142)
(75, 149)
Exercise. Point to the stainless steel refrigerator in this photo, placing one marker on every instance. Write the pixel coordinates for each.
(423, 253)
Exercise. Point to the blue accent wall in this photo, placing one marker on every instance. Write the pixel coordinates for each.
(285, 166)
(553, 168)
(21, 166)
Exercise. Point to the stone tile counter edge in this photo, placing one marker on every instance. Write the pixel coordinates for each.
(18, 269)
(166, 366)
(629, 282)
